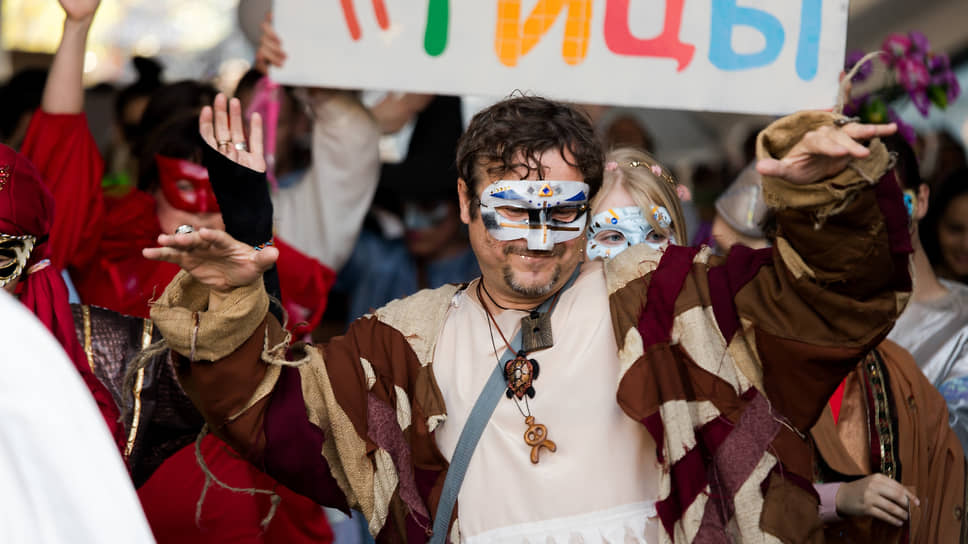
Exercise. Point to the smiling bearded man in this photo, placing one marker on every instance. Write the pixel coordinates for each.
(487, 412)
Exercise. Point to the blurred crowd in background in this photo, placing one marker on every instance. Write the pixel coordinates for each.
(147, 80)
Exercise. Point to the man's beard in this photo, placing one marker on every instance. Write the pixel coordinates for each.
(535, 290)
(532, 291)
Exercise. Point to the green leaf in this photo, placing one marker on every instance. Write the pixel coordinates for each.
(938, 96)
(874, 111)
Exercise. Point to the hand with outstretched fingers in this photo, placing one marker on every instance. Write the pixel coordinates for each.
(877, 496)
(221, 127)
(214, 258)
(823, 153)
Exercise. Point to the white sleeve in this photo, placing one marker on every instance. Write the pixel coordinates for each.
(322, 214)
(61, 475)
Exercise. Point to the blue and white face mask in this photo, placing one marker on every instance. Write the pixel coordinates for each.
(614, 230)
(543, 212)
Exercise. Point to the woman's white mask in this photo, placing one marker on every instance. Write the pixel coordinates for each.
(543, 212)
(614, 230)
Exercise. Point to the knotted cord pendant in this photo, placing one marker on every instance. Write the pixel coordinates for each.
(537, 437)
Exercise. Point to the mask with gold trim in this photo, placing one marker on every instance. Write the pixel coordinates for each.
(615, 230)
(543, 212)
(14, 255)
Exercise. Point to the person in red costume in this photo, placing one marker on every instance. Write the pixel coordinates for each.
(26, 208)
(98, 237)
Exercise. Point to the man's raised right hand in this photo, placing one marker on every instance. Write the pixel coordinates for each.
(214, 258)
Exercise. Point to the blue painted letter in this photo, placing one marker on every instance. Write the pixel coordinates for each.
(726, 15)
(808, 50)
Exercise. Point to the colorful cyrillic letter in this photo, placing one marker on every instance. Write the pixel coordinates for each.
(438, 18)
(513, 39)
(808, 48)
(353, 23)
(619, 38)
(725, 16)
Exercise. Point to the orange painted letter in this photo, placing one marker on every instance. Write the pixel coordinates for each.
(513, 39)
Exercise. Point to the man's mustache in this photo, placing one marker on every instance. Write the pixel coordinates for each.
(522, 249)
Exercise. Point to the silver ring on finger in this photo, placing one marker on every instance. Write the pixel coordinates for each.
(241, 146)
(185, 229)
(842, 121)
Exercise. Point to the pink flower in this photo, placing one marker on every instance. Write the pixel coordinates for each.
(954, 88)
(938, 62)
(853, 57)
(921, 101)
(919, 42)
(685, 195)
(912, 74)
(656, 169)
(896, 46)
(610, 166)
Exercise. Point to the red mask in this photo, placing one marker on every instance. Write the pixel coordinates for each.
(200, 199)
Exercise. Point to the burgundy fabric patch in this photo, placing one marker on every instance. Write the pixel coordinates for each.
(735, 460)
(688, 481)
(655, 323)
(715, 432)
(426, 481)
(418, 528)
(384, 431)
(293, 452)
(725, 281)
(890, 200)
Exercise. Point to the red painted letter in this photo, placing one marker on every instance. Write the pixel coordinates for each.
(619, 38)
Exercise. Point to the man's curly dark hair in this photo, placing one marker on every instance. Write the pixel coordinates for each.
(513, 134)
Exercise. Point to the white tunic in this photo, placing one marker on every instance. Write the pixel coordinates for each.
(61, 476)
(601, 483)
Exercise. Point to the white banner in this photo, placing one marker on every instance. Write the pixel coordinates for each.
(753, 56)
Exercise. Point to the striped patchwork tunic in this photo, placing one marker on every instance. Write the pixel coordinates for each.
(725, 362)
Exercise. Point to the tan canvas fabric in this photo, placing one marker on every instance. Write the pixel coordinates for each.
(825, 198)
(219, 333)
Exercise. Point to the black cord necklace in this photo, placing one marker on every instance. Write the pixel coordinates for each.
(535, 327)
(519, 375)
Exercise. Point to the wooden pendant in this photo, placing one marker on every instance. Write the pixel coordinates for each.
(519, 374)
(536, 332)
(537, 437)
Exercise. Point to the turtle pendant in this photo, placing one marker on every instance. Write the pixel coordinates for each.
(519, 374)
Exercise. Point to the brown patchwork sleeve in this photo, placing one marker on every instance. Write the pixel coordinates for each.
(339, 425)
(835, 280)
(218, 356)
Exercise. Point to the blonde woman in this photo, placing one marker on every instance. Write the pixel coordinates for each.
(639, 203)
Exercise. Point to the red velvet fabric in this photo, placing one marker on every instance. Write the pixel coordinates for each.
(170, 498)
(305, 284)
(27, 208)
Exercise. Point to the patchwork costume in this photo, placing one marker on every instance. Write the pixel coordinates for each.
(720, 367)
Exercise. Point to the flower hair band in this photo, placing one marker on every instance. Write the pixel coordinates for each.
(656, 170)
(683, 192)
